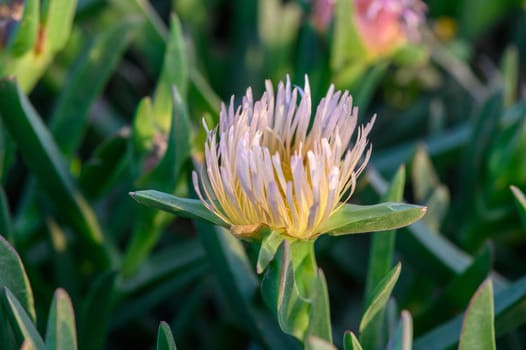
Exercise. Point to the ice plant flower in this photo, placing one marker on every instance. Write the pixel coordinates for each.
(386, 25)
(272, 164)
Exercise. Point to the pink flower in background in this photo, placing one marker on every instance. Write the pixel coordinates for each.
(322, 13)
(385, 25)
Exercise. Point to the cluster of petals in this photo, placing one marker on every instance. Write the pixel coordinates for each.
(272, 163)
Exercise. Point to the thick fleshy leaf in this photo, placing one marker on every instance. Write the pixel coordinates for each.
(478, 329)
(165, 338)
(61, 328)
(380, 296)
(380, 262)
(21, 321)
(352, 218)
(319, 313)
(520, 200)
(403, 335)
(510, 313)
(315, 343)
(267, 249)
(350, 342)
(185, 207)
(57, 18)
(282, 296)
(174, 73)
(13, 276)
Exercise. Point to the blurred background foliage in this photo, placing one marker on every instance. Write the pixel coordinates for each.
(109, 98)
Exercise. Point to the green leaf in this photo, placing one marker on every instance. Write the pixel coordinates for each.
(315, 343)
(510, 75)
(61, 329)
(13, 276)
(380, 261)
(184, 207)
(380, 296)
(267, 250)
(174, 74)
(101, 171)
(403, 335)
(478, 329)
(319, 314)
(347, 48)
(42, 156)
(167, 172)
(457, 293)
(21, 321)
(85, 82)
(353, 218)
(350, 342)
(165, 338)
(6, 225)
(56, 22)
(520, 200)
(95, 312)
(423, 175)
(510, 312)
(282, 296)
(164, 265)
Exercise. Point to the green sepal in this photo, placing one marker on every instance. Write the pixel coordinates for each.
(184, 207)
(352, 218)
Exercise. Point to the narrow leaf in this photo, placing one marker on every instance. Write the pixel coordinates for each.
(478, 329)
(282, 296)
(6, 225)
(353, 218)
(319, 313)
(13, 276)
(174, 74)
(520, 200)
(380, 261)
(165, 338)
(509, 314)
(185, 207)
(42, 156)
(61, 329)
(21, 321)
(315, 343)
(403, 335)
(350, 342)
(91, 72)
(57, 18)
(95, 312)
(380, 296)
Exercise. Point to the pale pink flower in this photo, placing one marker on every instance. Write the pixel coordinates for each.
(385, 25)
(271, 163)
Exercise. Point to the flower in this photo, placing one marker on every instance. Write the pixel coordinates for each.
(386, 25)
(275, 166)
